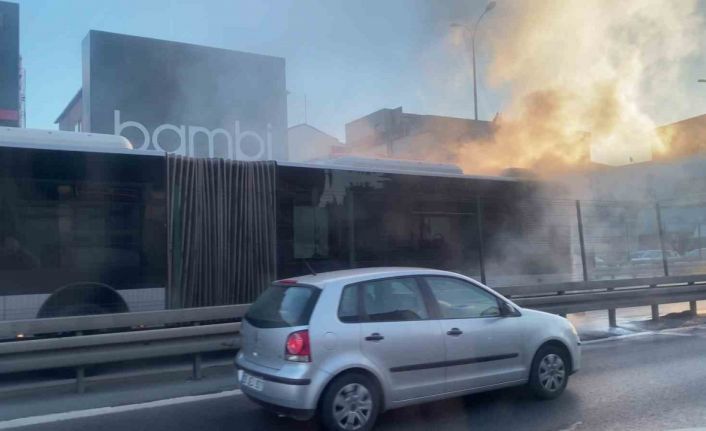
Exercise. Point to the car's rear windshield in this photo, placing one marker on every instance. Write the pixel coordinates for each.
(282, 306)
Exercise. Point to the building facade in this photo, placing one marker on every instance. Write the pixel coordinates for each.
(397, 134)
(683, 138)
(9, 64)
(308, 143)
(181, 98)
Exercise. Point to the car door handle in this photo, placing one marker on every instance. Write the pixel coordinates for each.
(374, 337)
(455, 332)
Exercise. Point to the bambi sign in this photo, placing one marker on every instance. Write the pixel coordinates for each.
(184, 139)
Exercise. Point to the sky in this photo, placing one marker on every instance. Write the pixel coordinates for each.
(349, 58)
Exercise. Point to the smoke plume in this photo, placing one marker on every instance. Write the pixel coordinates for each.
(586, 80)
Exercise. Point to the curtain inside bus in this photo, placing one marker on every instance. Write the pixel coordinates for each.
(221, 228)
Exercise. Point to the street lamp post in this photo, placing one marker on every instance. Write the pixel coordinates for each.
(488, 8)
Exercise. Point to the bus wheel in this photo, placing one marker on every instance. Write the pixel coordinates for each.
(81, 299)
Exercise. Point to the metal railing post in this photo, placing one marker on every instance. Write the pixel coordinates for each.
(692, 304)
(196, 364)
(80, 375)
(655, 312)
(479, 226)
(612, 320)
(350, 211)
(80, 380)
(661, 239)
(196, 373)
(582, 244)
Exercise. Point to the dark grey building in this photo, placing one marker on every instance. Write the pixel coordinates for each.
(181, 98)
(9, 64)
(397, 134)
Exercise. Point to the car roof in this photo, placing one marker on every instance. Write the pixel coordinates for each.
(347, 276)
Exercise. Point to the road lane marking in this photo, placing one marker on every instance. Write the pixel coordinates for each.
(693, 329)
(676, 334)
(77, 414)
(669, 331)
(618, 337)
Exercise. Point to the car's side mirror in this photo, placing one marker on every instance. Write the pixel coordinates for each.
(507, 310)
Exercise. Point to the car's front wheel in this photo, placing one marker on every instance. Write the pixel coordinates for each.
(351, 402)
(550, 372)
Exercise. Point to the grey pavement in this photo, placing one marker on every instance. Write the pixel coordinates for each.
(594, 324)
(648, 382)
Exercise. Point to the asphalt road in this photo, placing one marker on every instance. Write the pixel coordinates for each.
(654, 382)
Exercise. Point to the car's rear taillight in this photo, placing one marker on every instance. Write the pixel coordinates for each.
(297, 348)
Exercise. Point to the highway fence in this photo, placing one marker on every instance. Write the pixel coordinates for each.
(81, 341)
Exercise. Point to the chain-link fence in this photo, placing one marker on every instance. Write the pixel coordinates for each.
(599, 240)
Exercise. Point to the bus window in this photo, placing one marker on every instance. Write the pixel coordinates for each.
(56, 231)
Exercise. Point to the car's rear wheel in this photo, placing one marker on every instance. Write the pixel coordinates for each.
(351, 402)
(550, 372)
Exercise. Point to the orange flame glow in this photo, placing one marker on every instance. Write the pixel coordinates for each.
(585, 78)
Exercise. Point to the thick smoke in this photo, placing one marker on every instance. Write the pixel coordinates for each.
(586, 80)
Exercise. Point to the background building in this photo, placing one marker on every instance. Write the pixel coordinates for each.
(306, 142)
(396, 134)
(682, 139)
(181, 98)
(10, 114)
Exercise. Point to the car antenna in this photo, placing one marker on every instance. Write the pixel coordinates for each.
(311, 270)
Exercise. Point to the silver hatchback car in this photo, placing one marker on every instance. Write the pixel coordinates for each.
(351, 344)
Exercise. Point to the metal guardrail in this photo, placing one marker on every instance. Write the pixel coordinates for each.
(560, 288)
(573, 297)
(69, 342)
(63, 342)
(10, 329)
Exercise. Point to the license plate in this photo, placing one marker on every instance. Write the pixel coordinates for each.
(252, 382)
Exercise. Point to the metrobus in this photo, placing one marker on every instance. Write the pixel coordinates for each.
(89, 225)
